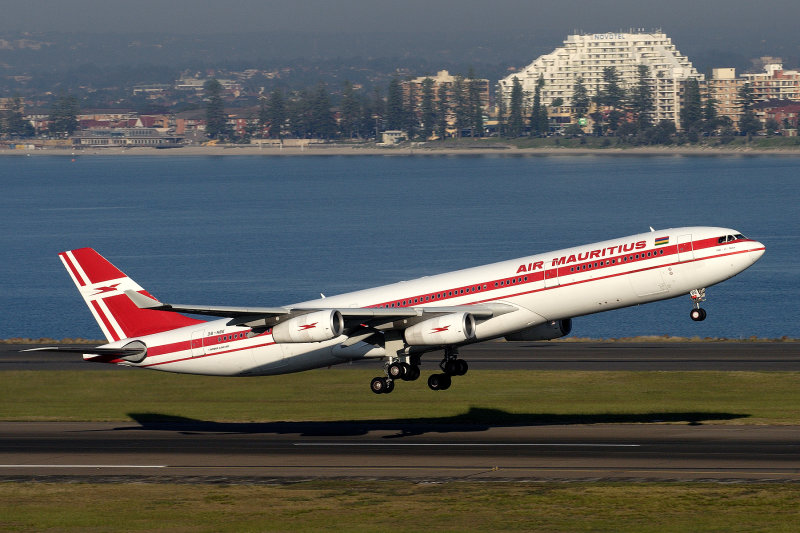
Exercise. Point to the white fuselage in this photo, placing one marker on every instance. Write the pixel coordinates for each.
(551, 286)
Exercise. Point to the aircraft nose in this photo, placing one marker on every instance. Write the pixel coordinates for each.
(757, 252)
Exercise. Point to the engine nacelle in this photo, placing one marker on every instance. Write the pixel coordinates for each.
(314, 327)
(543, 332)
(447, 329)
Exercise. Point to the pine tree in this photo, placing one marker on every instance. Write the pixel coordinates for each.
(612, 94)
(692, 110)
(427, 108)
(580, 98)
(748, 123)
(216, 120)
(515, 123)
(395, 111)
(538, 119)
(476, 110)
(460, 105)
(276, 114)
(64, 116)
(323, 124)
(642, 98)
(442, 112)
(502, 125)
(351, 111)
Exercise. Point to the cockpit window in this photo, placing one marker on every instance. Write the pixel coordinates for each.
(729, 238)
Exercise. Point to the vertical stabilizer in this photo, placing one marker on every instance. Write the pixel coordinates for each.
(102, 286)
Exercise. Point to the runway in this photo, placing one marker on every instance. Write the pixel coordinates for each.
(725, 356)
(283, 452)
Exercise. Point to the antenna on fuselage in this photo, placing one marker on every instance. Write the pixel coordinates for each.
(651, 229)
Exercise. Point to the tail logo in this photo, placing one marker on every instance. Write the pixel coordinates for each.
(106, 289)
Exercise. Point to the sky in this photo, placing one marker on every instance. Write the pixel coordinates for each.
(714, 18)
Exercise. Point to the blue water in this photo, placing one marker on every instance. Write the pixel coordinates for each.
(268, 231)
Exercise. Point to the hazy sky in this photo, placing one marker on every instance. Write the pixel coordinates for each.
(714, 18)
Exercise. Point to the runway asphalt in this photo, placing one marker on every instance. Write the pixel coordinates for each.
(208, 452)
(283, 452)
(761, 356)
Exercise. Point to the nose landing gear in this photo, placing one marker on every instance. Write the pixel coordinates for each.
(697, 314)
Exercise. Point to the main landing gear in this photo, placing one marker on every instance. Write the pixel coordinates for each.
(395, 370)
(451, 366)
(698, 314)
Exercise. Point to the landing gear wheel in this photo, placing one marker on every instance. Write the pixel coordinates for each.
(698, 314)
(413, 373)
(461, 367)
(398, 370)
(451, 367)
(381, 385)
(439, 381)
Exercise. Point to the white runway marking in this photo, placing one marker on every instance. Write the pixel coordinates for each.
(83, 466)
(462, 444)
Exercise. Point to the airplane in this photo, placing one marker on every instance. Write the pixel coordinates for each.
(532, 298)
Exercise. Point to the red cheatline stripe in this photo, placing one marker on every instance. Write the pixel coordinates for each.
(72, 269)
(208, 355)
(103, 317)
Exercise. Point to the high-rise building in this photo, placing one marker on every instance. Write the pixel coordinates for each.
(586, 56)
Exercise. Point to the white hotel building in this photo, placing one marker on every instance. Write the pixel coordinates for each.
(586, 56)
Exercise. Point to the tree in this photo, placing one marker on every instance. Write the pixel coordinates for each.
(216, 120)
(538, 120)
(612, 94)
(502, 125)
(476, 110)
(263, 116)
(580, 98)
(642, 98)
(442, 112)
(692, 110)
(64, 116)
(748, 123)
(515, 124)
(323, 125)
(395, 111)
(13, 121)
(427, 108)
(710, 117)
(276, 114)
(460, 105)
(351, 112)
(772, 126)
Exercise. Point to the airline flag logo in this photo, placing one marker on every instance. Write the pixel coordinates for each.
(660, 241)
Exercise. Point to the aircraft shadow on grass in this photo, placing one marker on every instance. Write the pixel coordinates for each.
(476, 419)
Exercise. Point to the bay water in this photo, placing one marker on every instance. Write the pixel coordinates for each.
(269, 231)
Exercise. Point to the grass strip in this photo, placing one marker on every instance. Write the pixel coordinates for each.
(512, 397)
(402, 506)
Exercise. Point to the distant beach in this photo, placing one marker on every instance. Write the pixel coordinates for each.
(321, 149)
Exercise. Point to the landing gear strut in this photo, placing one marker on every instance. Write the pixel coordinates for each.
(698, 313)
(451, 366)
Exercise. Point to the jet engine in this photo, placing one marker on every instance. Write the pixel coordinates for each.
(313, 327)
(447, 329)
(543, 332)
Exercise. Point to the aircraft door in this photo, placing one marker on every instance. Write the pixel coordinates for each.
(685, 249)
(551, 277)
(197, 343)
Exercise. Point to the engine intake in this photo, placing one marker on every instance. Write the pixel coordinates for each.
(313, 327)
(448, 329)
(543, 332)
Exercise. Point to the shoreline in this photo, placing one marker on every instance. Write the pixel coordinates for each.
(372, 150)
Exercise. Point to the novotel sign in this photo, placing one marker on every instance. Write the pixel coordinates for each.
(608, 36)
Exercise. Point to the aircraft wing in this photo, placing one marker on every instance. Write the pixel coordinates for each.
(378, 318)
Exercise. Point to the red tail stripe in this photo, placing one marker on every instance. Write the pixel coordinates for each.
(102, 315)
(72, 269)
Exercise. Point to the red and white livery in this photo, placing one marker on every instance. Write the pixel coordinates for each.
(530, 298)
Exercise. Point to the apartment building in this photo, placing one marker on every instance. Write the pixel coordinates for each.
(586, 56)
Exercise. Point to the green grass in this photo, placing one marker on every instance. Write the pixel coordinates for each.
(500, 397)
(403, 506)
